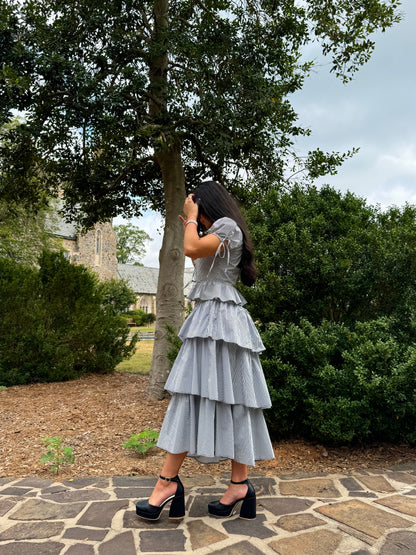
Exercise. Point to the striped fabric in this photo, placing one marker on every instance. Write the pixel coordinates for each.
(217, 383)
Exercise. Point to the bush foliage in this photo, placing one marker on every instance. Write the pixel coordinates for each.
(117, 295)
(335, 302)
(324, 255)
(55, 323)
(339, 384)
(140, 317)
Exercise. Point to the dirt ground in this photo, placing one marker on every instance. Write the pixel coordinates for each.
(96, 414)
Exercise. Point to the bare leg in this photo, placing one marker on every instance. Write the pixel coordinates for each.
(164, 489)
(234, 492)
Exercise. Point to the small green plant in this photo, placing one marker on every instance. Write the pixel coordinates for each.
(2, 387)
(142, 442)
(175, 342)
(57, 454)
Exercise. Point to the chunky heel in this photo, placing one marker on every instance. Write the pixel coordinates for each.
(177, 507)
(248, 504)
(248, 508)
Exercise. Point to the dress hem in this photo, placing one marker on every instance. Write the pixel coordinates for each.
(218, 459)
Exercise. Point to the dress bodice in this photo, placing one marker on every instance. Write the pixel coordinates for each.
(215, 276)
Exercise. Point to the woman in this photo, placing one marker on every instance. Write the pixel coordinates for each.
(217, 383)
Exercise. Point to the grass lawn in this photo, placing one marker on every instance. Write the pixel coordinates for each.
(145, 329)
(139, 363)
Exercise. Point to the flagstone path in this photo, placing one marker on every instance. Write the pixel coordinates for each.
(362, 513)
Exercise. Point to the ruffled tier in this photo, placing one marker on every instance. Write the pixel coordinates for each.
(211, 431)
(228, 322)
(220, 290)
(219, 371)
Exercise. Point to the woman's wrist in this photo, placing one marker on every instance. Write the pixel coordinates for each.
(190, 221)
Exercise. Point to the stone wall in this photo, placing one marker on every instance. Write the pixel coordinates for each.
(147, 303)
(95, 249)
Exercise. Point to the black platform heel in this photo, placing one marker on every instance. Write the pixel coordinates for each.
(247, 509)
(177, 508)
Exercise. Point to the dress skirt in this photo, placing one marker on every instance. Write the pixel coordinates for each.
(218, 388)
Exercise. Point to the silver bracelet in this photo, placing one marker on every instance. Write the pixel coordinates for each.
(191, 221)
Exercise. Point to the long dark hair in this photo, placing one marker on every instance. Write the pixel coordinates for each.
(215, 202)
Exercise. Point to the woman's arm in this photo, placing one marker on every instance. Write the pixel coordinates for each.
(194, 245)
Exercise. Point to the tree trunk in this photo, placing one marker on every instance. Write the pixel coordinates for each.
(169, 297)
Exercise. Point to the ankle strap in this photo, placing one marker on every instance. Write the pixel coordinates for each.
(174, 479)
(243, 482)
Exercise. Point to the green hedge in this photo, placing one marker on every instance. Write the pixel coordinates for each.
(140, 317)
(339, 384)
(336, 303)
(55, 323)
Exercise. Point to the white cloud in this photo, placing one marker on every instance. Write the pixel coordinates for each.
(403, 160)
(375, 112)
(397, 195)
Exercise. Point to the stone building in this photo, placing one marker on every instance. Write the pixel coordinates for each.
(143, 281)
(95, 249)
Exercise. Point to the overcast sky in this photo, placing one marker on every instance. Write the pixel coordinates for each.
(375, 112)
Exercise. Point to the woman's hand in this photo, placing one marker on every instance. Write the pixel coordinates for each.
(190, 209)
(195, 246)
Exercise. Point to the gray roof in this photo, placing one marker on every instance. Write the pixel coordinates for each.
(57, 225)
(65, 230)
(143, 280)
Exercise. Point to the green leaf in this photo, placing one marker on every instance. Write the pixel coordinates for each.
(150, 434)
(143, 441)
(47, 457)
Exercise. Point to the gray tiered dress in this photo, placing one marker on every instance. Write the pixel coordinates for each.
(217, 382)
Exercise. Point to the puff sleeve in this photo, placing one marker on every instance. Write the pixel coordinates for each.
(226, 229)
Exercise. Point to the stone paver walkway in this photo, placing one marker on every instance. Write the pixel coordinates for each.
(362, 513)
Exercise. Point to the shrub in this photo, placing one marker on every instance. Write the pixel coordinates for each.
(117, 295)
(149, 318)
(341, 384)
(325, 255)
(336, 300)
(140, 317)
(58, 454)
(143, 441)
(54, 324)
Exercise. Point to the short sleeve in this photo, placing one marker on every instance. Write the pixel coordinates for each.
(226, 229)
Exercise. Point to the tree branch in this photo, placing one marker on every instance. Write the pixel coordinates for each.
(146, 23)
(180, 66)
(136, 165)
(215, 168)
(187, 24)
(207, 10)
(287, 179)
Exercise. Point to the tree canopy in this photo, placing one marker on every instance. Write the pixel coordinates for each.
(127, 100)
(326, 255)
(130, 243)
(24, 234)
(109, 84)
(24, 229)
